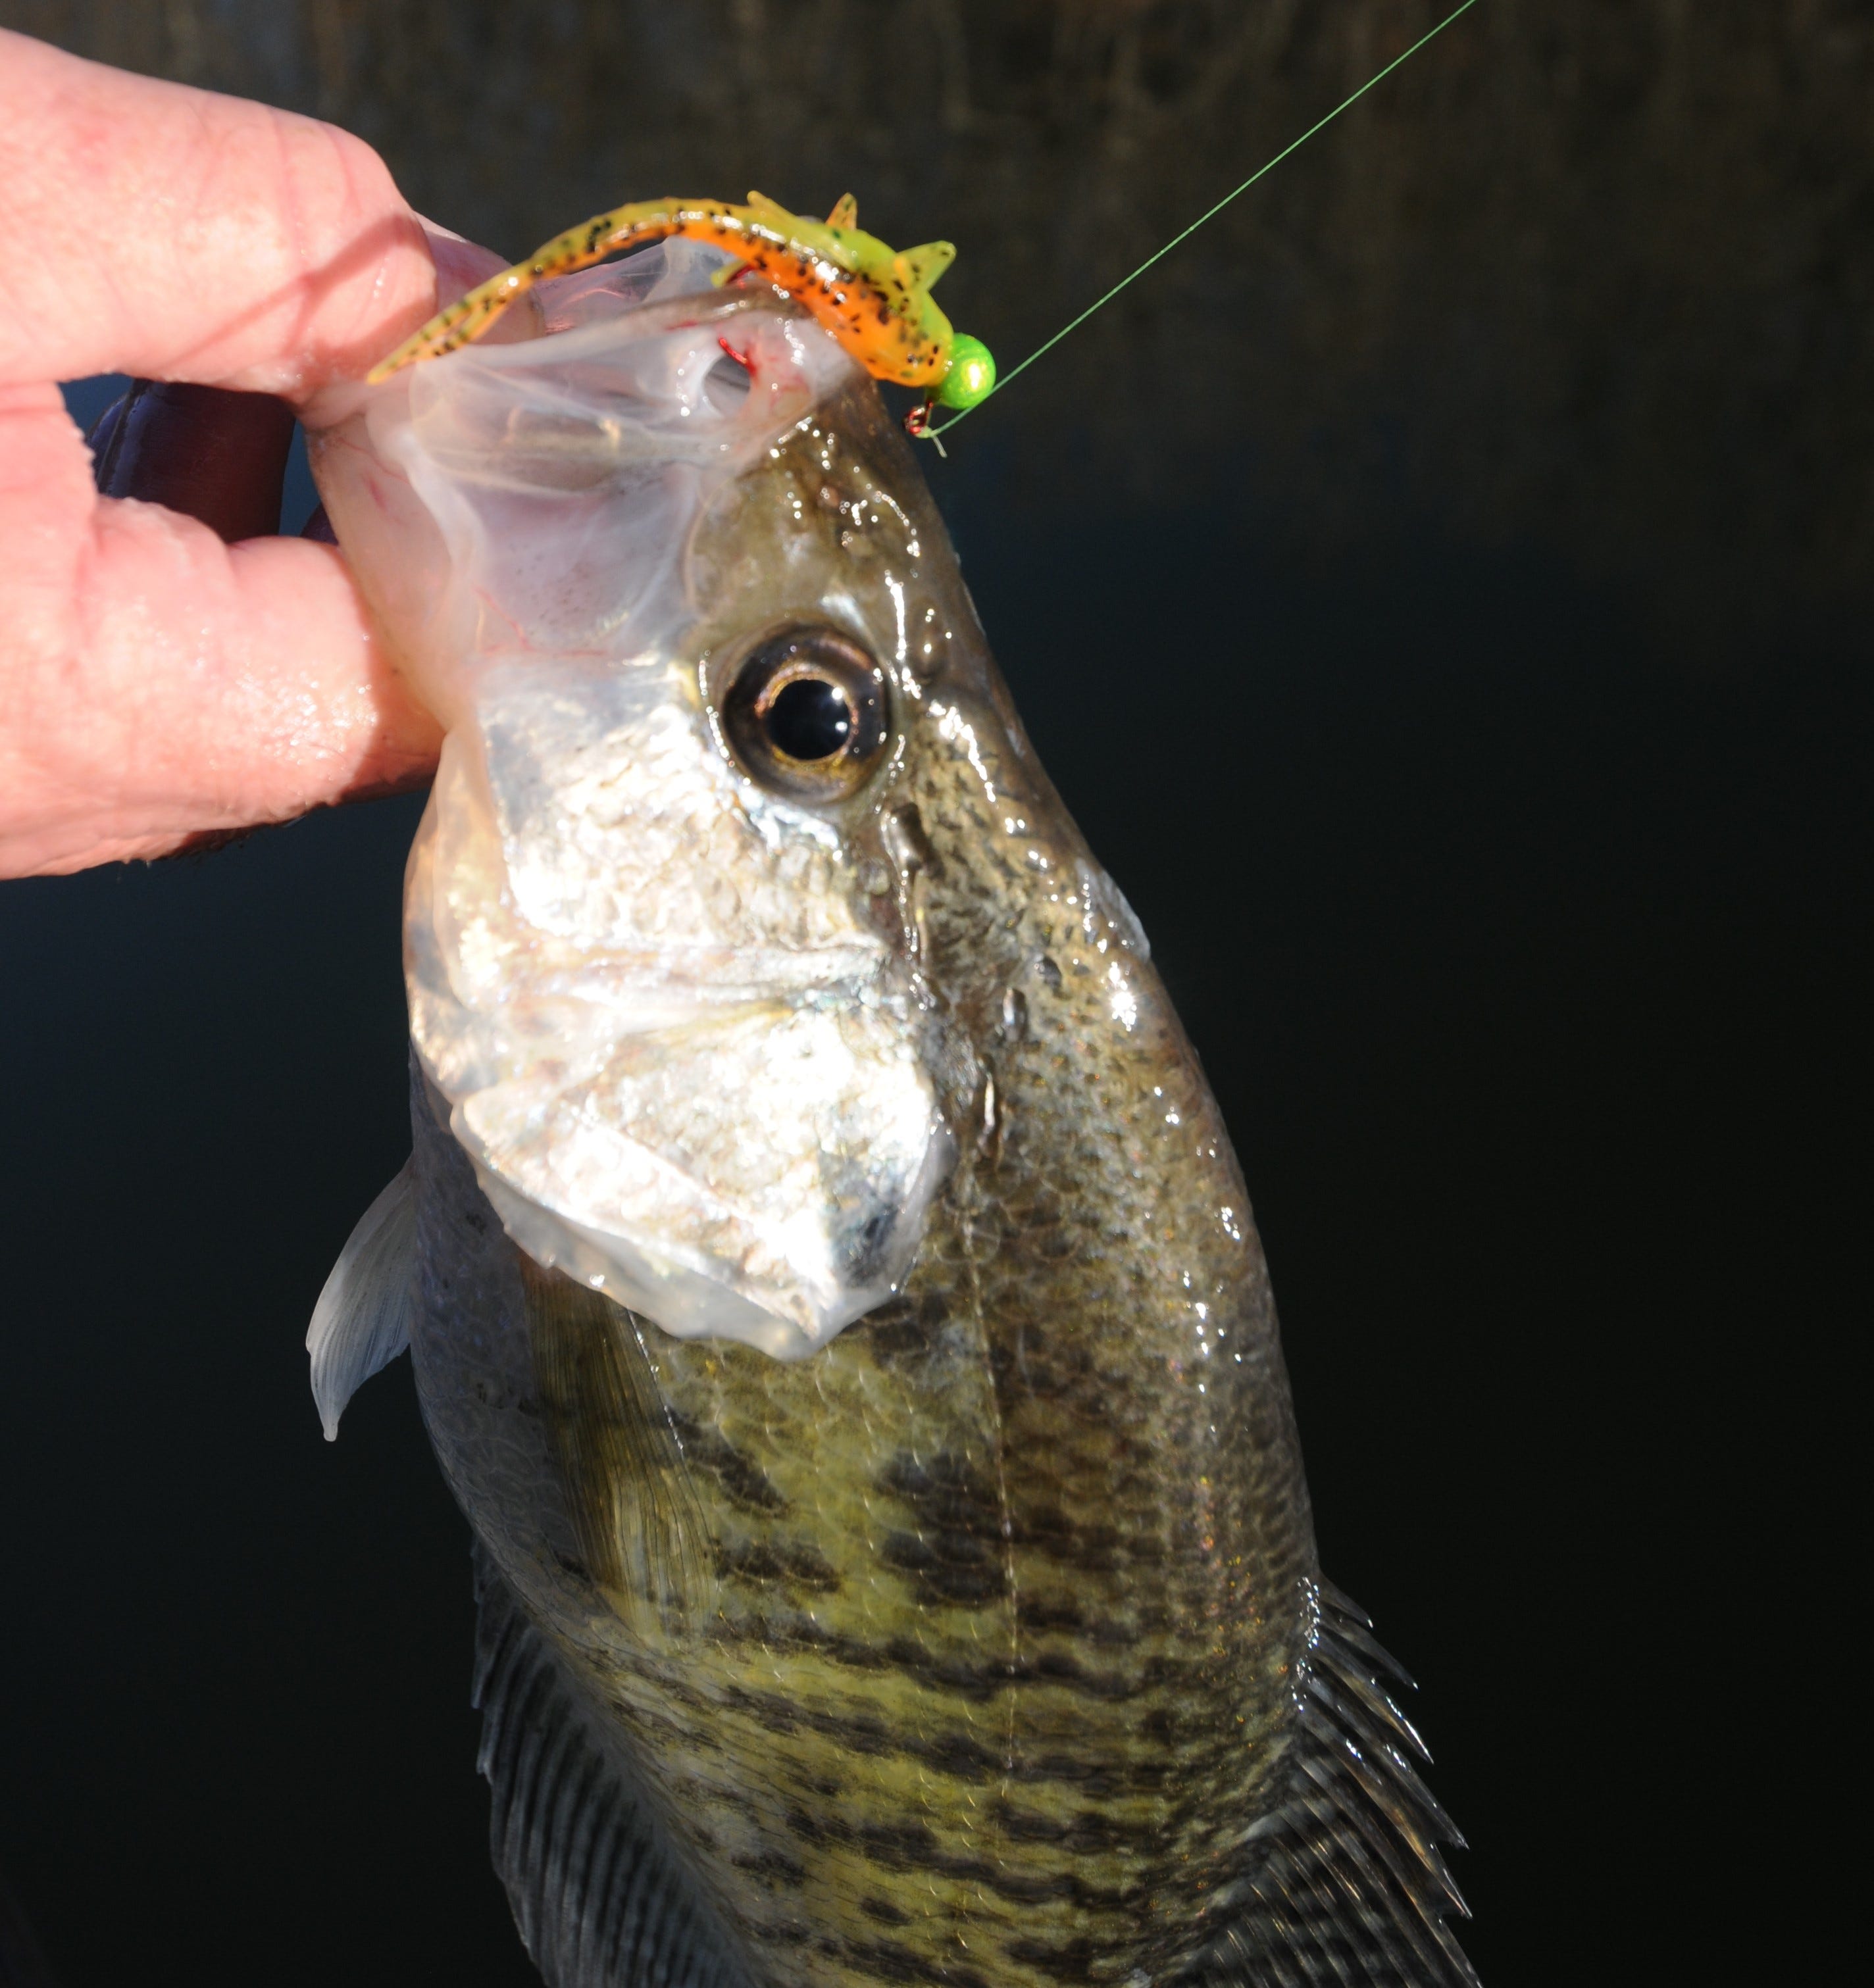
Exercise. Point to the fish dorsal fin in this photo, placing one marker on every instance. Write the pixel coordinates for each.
(1343, 1885)
(919, 268)
(600, 1897)
(845, 212)
(362, 1320)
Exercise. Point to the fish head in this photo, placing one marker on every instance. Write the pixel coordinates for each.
(721, 730)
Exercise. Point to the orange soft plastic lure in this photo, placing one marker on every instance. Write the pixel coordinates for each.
(874, 300)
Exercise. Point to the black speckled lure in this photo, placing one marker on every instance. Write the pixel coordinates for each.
(874, 298)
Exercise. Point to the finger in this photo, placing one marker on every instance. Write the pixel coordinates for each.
(170, 233)
(212, 454)
(159, 684)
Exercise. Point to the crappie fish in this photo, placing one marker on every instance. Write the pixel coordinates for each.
(833, 1297)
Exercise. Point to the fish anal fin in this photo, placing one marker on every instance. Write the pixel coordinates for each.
(600, 1896)
(1343, 1885)
(362, 1320)
(919, 268)
(845, 212)
(634, 1509)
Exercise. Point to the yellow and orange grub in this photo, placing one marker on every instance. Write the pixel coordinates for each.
(874, 300)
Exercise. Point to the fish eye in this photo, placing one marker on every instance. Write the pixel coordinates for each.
(806, 715)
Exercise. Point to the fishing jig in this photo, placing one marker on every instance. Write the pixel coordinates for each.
(874, 300)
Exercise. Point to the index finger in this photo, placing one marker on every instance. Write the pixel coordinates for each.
(170, 233)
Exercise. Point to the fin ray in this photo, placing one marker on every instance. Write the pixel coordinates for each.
(601, 1898)
(1353, 1726)
(361, 1322)
(1346, 1885)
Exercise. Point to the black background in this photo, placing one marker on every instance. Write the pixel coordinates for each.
(1513, 885)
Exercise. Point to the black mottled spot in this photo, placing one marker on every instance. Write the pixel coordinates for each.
(1071, 1962)
(976, 1682)
(1111, 1635)
(854, 1654)
(1093, 1832)
(949, 1568)
(774, 1865)
(1098, 1781)
(958, 1552)
(946, 1491)
(1025, 1826)
(1036, 1614)
(772, 1714)
(958, 1755)
(767, 1560)
(1093, 1549)
(1035, 1890)
(899, 1846)
(743, 1481)
(866, 1735)
(1087, 1832)
(785, 1932)
(902, 1330)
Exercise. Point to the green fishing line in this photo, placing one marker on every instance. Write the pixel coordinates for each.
(996, 385)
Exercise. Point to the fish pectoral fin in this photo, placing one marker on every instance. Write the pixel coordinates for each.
(362, 1320)
(622, 1469)
(919, 268)
(596, 1891)
(845, 212)
(1343, 1882)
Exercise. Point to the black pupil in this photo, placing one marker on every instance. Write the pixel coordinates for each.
(810, 719)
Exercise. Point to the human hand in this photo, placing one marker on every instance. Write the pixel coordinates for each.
(157, 682)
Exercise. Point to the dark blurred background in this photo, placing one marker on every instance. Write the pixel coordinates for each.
(1441, 590)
